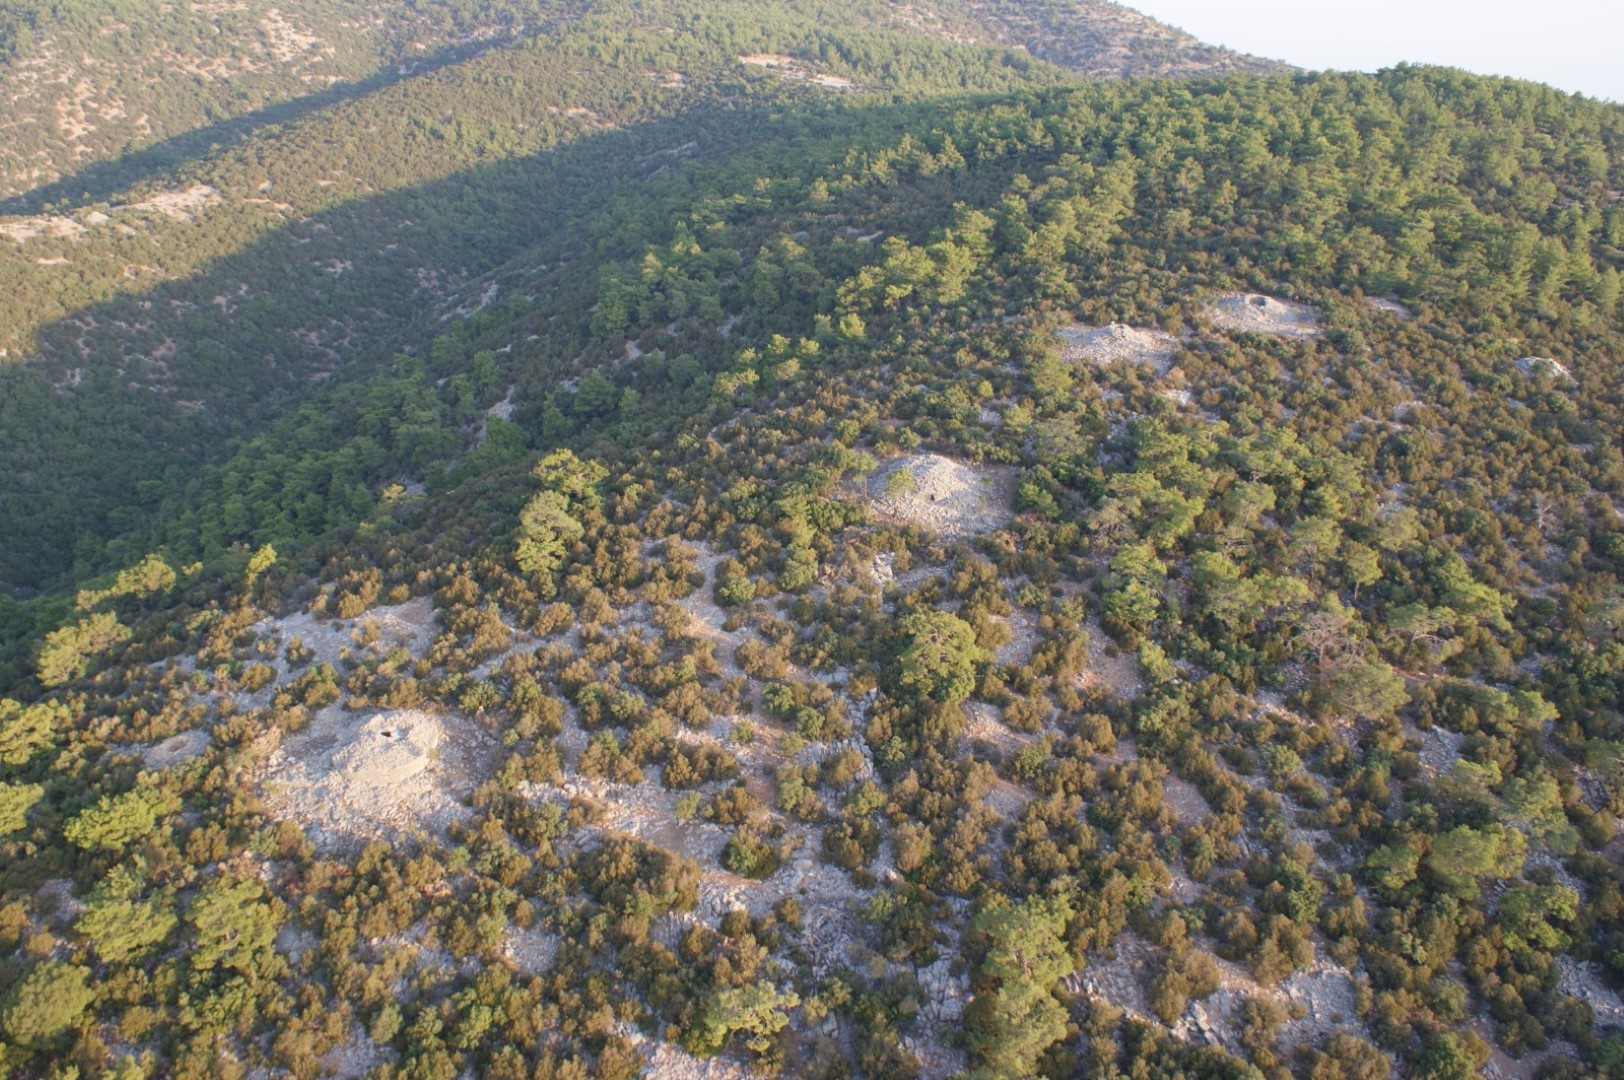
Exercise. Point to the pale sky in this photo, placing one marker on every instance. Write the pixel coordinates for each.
(1576, 45)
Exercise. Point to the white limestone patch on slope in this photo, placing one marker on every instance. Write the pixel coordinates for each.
(1532, 365)
(180, 205)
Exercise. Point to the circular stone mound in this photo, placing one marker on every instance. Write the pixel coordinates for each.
(349, 779)
(1254, 313)
(389, 750)
(1108, 344)
(176, 750)
(1388, 305)
(948, 496)
(1531, 365)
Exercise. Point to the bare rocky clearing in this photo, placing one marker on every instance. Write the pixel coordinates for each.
(1530, 365)
(1119, 976)
(530, 951)
(1185, 800)
(1254, 313)
(1120, 672)
(788, 67)
(180, 205)
(52, 225)
(1581, 980)
(1440, 750)
(410, 625)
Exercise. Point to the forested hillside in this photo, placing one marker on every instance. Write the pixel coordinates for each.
(827, 549)
(178, 288)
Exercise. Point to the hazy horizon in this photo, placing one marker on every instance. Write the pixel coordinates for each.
(1571, 44)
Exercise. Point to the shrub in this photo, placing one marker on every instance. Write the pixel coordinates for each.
(46, 1002)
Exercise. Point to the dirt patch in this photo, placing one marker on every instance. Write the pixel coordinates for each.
(283, 40)
(351, 777)
(1184, 800)
(706, 618)
(1323, 997)
(409, 625)
(1024, 637)
(647, 811)
(1440, 750)
(1326, 995)
(986, 726)
(295, 941)
(1120, 977)
(354, 1058)
(789, 68)
(668, 1061)
(769, 60)
(51, 225)
(950, 497)
(1109, 344)
(1254, 313)
(59, 902)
